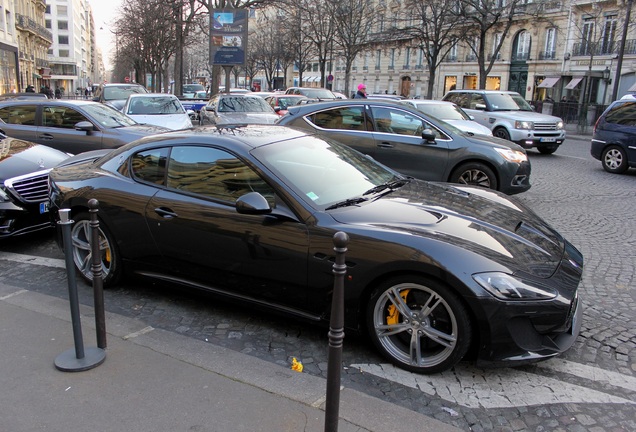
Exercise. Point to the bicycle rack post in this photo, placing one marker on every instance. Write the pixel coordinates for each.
(75, 359)
(336, 334)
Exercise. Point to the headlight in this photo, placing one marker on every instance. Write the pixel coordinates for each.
(3, 196)
(524, 125)
(560, 124)
(512, 155)
(507, 287)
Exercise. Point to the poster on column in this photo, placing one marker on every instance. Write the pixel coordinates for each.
(228, 37)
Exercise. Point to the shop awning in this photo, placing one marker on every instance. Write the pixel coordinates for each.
(549, 82)
(37, 76)
(574, 83)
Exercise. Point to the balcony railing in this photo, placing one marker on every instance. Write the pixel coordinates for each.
(450, 59)
(586, 49)
(547, 55)
(26, 23)
(471, 57)
(520, 56)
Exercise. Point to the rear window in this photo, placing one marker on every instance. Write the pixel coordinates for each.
(622, 113)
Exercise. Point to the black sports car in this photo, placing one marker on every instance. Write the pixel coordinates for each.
(24, 187)
(250, 212)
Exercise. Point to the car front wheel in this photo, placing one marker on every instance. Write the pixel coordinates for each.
(501, 133)
(82, 252)
(474, 174)
(418, 324)
(614, 160)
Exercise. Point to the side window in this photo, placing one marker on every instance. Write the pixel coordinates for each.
(477, 99)
(347, 118)
(61, 117)
(150, 165)
(213, 173)
(399, 122)
(19, 114)
(622, 114)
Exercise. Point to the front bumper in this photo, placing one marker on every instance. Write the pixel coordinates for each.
(17, 220)
(532, 138)
(526, 332)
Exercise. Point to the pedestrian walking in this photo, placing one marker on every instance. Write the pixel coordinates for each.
(362, 92)
(58, 93)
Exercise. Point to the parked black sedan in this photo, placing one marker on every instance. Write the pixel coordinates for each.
(250, 213)
(24, 185)
(72, 126)
(415, 144)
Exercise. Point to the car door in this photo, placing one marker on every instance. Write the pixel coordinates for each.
(195, 224)
(399, 144)
(57, 130)
(19, 121)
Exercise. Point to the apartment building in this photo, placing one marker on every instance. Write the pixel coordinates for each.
(557, 49)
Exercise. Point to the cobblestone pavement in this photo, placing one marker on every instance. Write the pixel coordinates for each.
(592, 387)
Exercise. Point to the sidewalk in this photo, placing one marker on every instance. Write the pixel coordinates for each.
(153, 380)
(572, 131)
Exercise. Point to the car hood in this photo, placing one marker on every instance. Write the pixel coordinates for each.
(247, 118)
(19, 157)
(470, 126)
(117, 104)
(170, 121)
(142, 130)
(490, 140)
(473, 219)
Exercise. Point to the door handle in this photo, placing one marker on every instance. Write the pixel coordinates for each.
(385, 145)
(166, 213)
(45, 136)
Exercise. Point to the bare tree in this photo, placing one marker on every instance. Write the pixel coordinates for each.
(353, 23)
(481, 18)
(433, 29)
(296, 41)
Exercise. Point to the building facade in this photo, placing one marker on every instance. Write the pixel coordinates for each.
(560, 50)
(9, 65)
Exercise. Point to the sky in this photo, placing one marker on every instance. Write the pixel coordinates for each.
(105, 15)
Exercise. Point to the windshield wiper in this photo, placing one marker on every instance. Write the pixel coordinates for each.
(347, 203)
(392, 185)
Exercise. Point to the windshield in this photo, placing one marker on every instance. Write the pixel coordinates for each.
(324, 172)
(108, 117)
(508, 102)
(318, 93)
(155, 105)
(191, 88)
(244, 104)
(442, 111)
(122, 92)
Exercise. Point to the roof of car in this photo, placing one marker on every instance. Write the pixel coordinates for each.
(42, 101)
(317, 106)
(482, 91)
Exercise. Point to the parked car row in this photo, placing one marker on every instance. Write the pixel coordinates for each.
(435, 270)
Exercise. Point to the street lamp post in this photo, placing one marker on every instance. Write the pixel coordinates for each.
(621, 51)
(608, 81)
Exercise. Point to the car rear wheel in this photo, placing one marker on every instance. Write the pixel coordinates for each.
(614, 160)
(474, 174)
(82, 252)
(418, 324)
(501, 133)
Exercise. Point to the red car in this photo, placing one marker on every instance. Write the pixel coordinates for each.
(280, 102)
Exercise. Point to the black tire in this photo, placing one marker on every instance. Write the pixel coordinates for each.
(614, 160)
(547, 149)
(501, 133)
(413, 310)
(82, 254)
(474, 174)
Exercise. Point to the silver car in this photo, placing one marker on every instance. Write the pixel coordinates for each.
(72, 126)
(450, 113)
(223, 109)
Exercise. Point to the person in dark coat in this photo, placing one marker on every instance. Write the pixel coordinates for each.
(30, 89)
(362, 92)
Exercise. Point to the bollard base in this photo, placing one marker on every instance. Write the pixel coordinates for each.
(68, 361)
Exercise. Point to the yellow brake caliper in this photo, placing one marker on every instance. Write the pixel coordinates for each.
(392, 317)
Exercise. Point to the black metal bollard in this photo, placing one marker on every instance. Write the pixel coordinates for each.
(336, 334)
(76, 359)
(98, 281)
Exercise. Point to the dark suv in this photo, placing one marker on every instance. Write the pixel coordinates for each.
(614, 139)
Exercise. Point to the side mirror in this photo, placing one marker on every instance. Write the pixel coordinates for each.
(85, 126)
(428, 135)
(252, 203)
